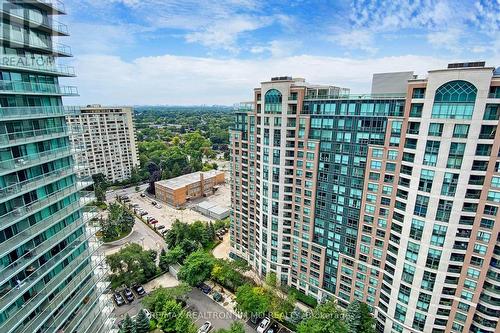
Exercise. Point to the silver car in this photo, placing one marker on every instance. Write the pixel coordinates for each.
(205, 328)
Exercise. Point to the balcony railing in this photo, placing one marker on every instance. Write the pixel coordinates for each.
(26, 262)
(29, 233)
(356, 96)
(100, 318)
(95, 294)
(7, 87)
(9, 113)
(26, 161)
(35, 65)
(38, 298)
(18, 189)
(56, 4)
(30, 41)
(23, 137)
(31, 208)
(46, 22)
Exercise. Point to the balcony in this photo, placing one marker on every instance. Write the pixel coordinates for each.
(27, 210)
(27, 161)
(29, 233)
(35, 65)
(27, 261)
(30, 88)
(100, 318)
(355, 96)
(36, 300)
(54, 7)
(17, 189)
(24, 137)
(25, 112)
(45, 24)
(31, 42)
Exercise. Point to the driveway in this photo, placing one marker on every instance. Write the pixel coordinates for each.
(204, 308)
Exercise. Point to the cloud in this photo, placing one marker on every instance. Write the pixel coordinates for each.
(361, 39)
(449, 39)
(277, 48)
(178, 80)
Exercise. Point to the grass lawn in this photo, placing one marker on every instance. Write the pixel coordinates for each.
(123, 234)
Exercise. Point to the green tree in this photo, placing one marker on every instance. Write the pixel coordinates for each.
(229, 273)
(141, 323)
(184, 323)
(130, 265)
(177, 233)
(100, 187)
(325, 318)
(252, 300)
(155, 300)
(168, 314)
(359, 319)
(236, 327)
(211, 230)
(128, 325)
(196, 268)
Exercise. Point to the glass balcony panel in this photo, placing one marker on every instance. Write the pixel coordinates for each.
(36, 88)
(29, 233)
(24, 137)
(22, 212)
(26, 112)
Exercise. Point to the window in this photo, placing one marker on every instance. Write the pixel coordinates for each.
(412, 252)
(421, 205)
(483, 149)
(488, 132)
(454, 100)
(378, 153)
(423, 301)
(408, 273)
(273, 101)
(411, 143)
(455, 155)
(428, 281)
(426, 179)
(438, 235)
(435, 129)
(392, 155)
(492, 112)
(418, 93)
(419, 321)
(494, 196)
(431, 152)
(416, 110)
(444, 210)
(461, 131)
(417, 229)
(450, 182)
(376, 165)
(413, 128)
(400, 313)
(433, 258)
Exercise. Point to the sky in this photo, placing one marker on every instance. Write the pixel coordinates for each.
(192, 52)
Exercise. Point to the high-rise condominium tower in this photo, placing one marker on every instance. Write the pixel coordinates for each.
(51, 279)
(391, 198)
(108, 137)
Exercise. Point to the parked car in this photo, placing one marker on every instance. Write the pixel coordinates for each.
(264, 324)
(139, 289)
(159, 206)
(128, 295)
(153, 203)
(149, 218)
(205, 328)
(142, 195)
(204, 287)
(273, 328)
(147, 313)
(217, 297)
(164, 232)
(161, 226)
(118, 299)
(142, 213)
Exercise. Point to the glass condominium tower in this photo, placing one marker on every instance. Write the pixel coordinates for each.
(390, 198)
(51, 273)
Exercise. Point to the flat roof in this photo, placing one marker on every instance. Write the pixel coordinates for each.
(184, 180)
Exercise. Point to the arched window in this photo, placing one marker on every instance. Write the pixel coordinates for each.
(454, 100)
(273, 100)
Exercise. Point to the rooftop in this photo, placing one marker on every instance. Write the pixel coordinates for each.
(184, 180)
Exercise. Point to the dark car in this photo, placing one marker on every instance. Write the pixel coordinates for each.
(161, 226)
(118, 299)
(153, 203)
(128, 295)
(218, 297)
(142, 195)
(273, 328)
(204, 287)
(139, 289)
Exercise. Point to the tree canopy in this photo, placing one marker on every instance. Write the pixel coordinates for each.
(196, 268)
(130, 265)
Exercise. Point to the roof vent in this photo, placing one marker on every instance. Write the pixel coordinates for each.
(281, 78)
(467, 64)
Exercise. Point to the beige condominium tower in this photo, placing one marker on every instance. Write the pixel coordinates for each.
(390, 197)
(109, 141)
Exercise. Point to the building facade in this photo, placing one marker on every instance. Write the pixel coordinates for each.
(387, 198)
(51, 272)
(179, 190)
(108, 137)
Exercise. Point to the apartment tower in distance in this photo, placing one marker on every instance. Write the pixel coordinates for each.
(108, 138)
(51, 274)
(391, 198)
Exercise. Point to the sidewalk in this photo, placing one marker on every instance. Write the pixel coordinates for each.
(166, 280)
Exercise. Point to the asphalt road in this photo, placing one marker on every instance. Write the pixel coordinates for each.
(204, 308)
